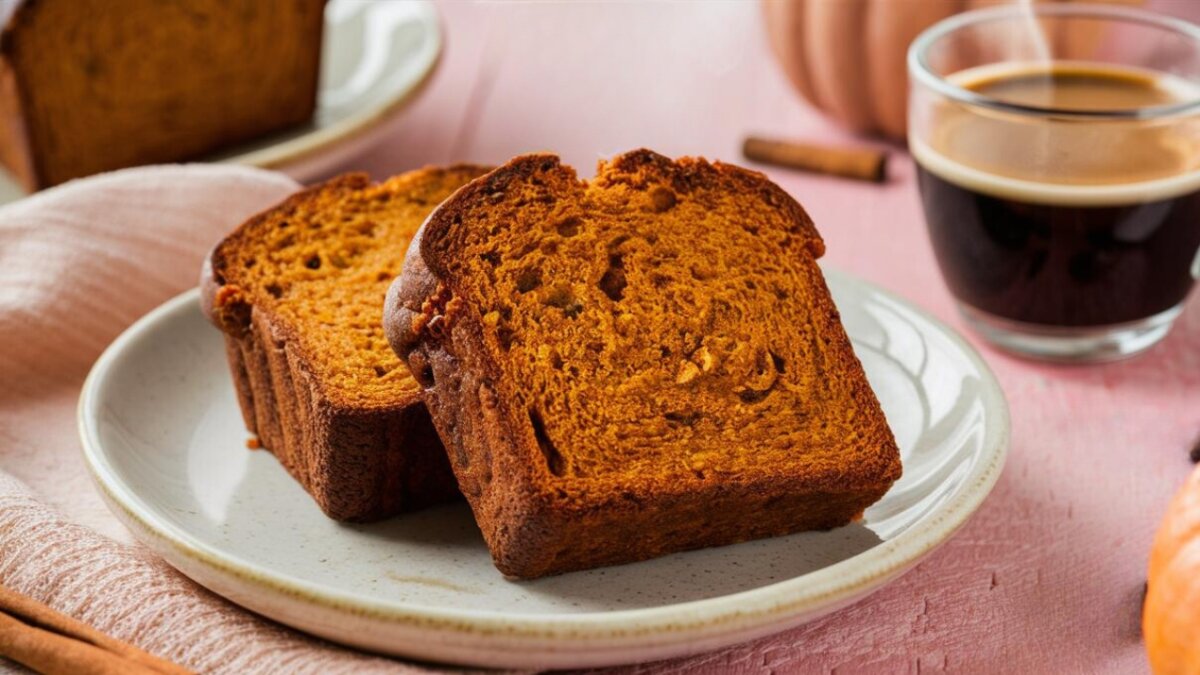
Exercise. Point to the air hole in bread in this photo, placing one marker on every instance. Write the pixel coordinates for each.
(380, 371)
(613, 282)
(285, 224)
(568, 228)
(250, 263)
(778, 361)
(561, 296)
(491, 258)
(750, 396)
(528, 279)
(275, 291)
(384, 276)
(504, 335)
(313, 263)
(554, 460)
(662, 199)
(685, 418)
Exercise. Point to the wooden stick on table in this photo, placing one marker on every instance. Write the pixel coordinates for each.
(858, 163)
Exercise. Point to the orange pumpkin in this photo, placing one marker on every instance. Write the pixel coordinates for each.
(847, 57)
(1171, 617)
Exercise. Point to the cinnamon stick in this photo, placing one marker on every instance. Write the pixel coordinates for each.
(40, 638)
(857, 163)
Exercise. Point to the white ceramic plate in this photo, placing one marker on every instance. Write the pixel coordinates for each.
(374, 58)
(165, 443)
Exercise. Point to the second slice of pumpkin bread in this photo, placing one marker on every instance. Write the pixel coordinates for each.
(639, 364)
(298, 292)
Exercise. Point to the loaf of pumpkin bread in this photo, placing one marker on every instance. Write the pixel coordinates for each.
(639, 364)
(94, 85)
(298, 292)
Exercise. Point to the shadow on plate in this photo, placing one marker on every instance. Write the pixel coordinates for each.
(441, 550)
(680, 577)
(707, 573)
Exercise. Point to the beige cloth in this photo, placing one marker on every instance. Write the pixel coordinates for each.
(78, 264)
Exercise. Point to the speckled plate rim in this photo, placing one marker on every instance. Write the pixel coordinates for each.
(664, 631)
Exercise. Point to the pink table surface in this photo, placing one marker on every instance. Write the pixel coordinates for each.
(1048, 577)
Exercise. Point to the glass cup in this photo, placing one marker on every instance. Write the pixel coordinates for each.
(1058, 160)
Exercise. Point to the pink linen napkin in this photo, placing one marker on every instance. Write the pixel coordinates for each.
(78, 264)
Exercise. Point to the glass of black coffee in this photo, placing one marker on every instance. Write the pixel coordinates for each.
(1058, 161)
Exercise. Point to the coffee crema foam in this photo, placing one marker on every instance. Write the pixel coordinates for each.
(1055, 160)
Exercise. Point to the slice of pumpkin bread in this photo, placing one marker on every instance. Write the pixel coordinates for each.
(298, 291)
(643, 363)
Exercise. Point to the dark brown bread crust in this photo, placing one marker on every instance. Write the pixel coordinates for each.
(358, 464)
(534, 528)
(205, 79)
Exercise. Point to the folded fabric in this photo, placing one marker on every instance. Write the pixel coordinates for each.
(51, 642)
(78, 264)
